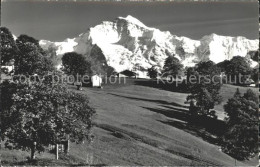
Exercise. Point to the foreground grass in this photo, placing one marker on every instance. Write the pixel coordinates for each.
(139, 123)
(21, 158)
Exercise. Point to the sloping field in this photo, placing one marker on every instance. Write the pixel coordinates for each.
(144, 125)
(140, 125)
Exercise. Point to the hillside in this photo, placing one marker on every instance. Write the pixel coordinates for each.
(142, 125)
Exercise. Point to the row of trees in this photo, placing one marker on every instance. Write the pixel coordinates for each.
(241, 138)
(204, 80)
(34, 115)
(29, 58)
(232, 68)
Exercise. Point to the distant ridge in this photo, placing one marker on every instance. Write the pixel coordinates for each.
(128, 44)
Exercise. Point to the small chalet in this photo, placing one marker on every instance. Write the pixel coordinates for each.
(96, 81)
(127, 73)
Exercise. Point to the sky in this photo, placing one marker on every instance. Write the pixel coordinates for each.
(57, 21)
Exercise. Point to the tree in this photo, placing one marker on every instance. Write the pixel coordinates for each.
(223, 65)
(238, 66)
(172, 66)
(255, 75)
(237, 93)
(7, 91)
(152, 72)
(51, 54)
(97, 55)
(241, 138)
(74, 63)
(23, 39)
(109, 70)
(204, 85)
(98, 62)
(8, 46)
(45, 114)
(31, 59)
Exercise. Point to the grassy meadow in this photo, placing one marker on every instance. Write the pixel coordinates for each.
(139, 123)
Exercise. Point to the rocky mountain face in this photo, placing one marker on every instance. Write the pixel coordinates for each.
(128, 44)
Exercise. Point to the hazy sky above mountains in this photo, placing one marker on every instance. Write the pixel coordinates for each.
(56, 21)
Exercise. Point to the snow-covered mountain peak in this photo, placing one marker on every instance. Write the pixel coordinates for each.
(129, 44)
(132, 20)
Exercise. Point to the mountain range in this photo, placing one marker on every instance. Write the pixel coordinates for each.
(128, 44)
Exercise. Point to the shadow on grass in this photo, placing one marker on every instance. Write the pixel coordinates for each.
(207, 128)
(150, 100)
(164, 85)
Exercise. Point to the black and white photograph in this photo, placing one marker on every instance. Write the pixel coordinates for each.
(129, 83)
